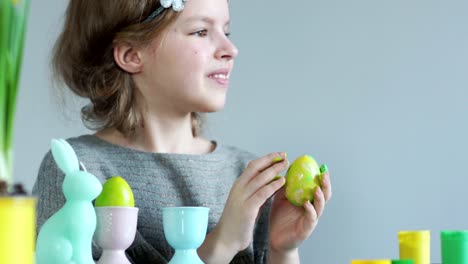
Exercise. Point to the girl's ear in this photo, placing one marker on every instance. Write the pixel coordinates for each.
(128, 58)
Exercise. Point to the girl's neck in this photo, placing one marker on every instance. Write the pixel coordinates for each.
(161, 135)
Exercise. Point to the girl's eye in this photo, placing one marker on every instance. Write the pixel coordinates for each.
(227, 34)
(200, 33)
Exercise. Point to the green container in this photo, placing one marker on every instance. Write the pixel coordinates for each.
(454, 246)
(402, 261)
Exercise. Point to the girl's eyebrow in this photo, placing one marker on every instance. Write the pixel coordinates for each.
(203, 19)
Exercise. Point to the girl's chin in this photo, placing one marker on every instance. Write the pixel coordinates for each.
(212, 108)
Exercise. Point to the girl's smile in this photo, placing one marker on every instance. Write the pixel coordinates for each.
(220, 76)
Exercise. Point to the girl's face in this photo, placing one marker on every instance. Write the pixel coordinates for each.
(188, 69)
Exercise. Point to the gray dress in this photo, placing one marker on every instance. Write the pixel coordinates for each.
(157, 180)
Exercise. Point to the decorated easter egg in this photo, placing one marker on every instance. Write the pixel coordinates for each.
(115, 192)
(301, 179)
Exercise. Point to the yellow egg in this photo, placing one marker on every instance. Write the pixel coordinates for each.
(301, 179)
(115, 192)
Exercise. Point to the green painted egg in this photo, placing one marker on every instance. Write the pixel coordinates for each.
(115, 192)
(301, 179)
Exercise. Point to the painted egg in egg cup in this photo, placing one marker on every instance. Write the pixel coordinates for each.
(116, 221)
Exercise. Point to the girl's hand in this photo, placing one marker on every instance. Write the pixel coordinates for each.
(290, 225)
(251, 190)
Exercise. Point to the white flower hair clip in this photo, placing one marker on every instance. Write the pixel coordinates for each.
(177, 5)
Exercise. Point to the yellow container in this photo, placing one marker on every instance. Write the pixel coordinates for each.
(17, 230)
(372, 261)
(415, 245)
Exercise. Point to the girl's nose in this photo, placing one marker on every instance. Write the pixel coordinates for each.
(227, 50)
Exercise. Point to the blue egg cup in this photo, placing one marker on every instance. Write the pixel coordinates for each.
(185, 230)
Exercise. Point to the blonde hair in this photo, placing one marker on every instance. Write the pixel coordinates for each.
(83, 58)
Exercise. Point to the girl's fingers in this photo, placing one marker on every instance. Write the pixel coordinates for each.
(326, 186)
(260, 196)
(264, 178)
(257, 166)
(310, 219)
(319, 201)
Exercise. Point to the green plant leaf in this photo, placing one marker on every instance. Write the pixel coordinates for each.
(5, 8)
(14, 60)
(13, 20)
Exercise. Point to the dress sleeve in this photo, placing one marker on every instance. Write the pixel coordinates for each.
(48, 190)
(261, 234)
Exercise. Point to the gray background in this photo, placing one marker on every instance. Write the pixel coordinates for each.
(376, 89)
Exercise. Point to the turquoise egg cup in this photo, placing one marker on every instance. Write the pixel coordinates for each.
(185, 230)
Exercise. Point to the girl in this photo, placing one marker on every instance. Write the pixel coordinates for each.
(149, 68)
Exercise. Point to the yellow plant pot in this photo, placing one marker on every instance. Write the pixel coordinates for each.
(17, 230)
(371, 261)
(415, 245)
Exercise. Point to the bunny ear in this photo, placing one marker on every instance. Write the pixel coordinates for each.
(64, 155)
(70, 151)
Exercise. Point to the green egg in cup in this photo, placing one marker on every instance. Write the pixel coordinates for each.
(115, 192)
(301, 179)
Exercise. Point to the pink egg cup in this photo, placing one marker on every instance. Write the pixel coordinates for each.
(115, 232)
